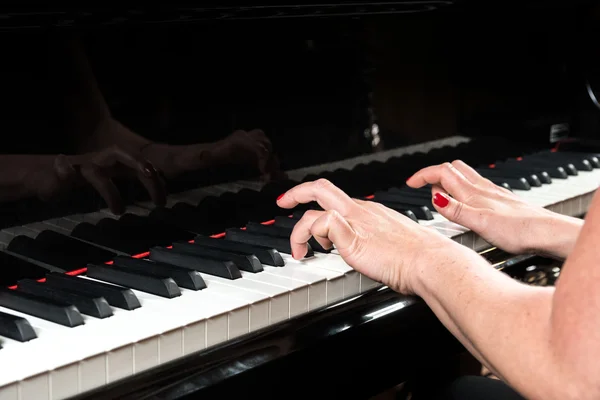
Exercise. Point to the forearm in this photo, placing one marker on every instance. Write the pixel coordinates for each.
(555, 235)
(15, 175)
(504, 323)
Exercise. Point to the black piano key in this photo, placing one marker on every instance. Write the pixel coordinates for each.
(184, 277)
(160, 232)
(117, 296)
(93, 234)
(566, 165)
(129, 238)
(245, 262)
(409, 214)
(279, 244)
(285, 222)
(487, 172)
(50, 310)
(580, 163)
(224, 269)
(16, 328)
(555, 171)
(282, 232)
(541, 173)
(266, 255)
(402, 198)
(147, 282)
(53, 260)
(59, 242)
(420, 212)
(520, 184)
(13, 268)
(94, 306)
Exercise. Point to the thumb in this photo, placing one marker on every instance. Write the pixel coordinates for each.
(455, 211)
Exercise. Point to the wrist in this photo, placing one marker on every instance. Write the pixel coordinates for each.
(555, 235)
(449, 257)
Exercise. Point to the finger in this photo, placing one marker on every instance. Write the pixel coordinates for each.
(146, 172)
(467, 171)
(472, 175)
(374, 207)
(156, 188)
(446, 176)
(325, 193)
(115, 155)
(263, 139)
(329, 224)
(104, 186)
(301, 233)
(65, 171)
(303, 225)
(458, 212)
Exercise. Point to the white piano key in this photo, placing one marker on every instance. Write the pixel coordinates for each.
(280, 298)
(333, 262)
(335, 279)
(20, 230)
(298, 290)
(64, 223)
(317, 284)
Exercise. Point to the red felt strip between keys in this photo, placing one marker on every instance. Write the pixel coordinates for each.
(81, 271)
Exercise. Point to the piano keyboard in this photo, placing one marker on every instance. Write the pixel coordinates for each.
(69, 333)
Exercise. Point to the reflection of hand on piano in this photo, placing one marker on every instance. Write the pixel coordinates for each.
(250, 150)
(498, 215)
(61, 174)
(378, 242)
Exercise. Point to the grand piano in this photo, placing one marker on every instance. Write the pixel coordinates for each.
(200, 298)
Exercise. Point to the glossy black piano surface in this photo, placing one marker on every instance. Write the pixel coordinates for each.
(493, 86)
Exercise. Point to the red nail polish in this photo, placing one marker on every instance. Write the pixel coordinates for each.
(409, 178)
(280, 196)
(293, 255)
(440, 200)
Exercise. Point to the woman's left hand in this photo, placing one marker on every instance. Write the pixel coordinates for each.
(374, 240)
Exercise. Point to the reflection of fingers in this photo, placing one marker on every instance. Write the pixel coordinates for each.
(64, 169)
(260, 136)
(330, 225)
(104, 186)
(155, 187)
(109, 158)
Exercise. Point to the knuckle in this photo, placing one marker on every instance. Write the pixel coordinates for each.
(115, 148)
(457, 163)
(258, 132)
(447, 169)
(311, 214)
(323, 184)
(458, 211)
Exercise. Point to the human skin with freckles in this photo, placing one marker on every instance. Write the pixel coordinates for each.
(553, 333)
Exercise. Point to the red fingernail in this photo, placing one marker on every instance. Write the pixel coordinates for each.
(280, 196)
(293, 255)
(440, 200)
(409, 178)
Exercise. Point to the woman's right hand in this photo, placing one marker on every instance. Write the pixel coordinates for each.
(52, 177)
(499, 216)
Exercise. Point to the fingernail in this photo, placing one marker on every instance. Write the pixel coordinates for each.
(440, 200)
(280, 196)
(409, 178)
(149, 169)
(293, 255)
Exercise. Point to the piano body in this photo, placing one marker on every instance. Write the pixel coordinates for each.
(201, 298)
